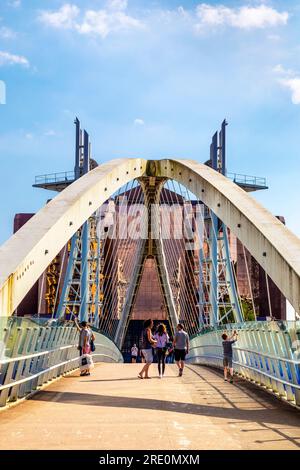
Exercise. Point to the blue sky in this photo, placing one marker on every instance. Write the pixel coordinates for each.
(151, 79)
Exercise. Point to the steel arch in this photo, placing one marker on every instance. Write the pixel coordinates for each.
(25, 256)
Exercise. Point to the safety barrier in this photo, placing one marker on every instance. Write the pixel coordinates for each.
(247, 180)
(266, 353)
(32, 353)
(66, 176)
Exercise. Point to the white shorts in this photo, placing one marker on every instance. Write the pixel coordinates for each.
(148, 355)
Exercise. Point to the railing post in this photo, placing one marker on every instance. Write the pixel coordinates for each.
(44, 359)
(27, 387)
(19, 365)
(287, 343)
(10, 368)
(36, 363)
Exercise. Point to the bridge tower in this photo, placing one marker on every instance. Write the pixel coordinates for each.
(217, 266)
(83, 291)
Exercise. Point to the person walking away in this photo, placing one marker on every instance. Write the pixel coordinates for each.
(84, 344)
(181, 347)
(162, 339)
(147, 343)
(134, 353)
(227, 354)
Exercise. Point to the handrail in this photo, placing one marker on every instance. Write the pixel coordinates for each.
(247, 179)
(30, 356)
(29, 368)
(64, 176)
(44, 371)
(272, 377)
(264, 354)
(253, 351)
(42, 353)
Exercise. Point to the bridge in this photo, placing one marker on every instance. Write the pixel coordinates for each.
(87, 251)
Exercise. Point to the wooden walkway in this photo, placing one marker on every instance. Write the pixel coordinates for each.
(113, 409)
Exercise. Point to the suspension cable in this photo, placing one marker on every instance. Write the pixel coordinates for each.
(249, 281)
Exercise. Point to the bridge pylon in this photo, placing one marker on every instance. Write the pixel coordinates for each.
(151, 249)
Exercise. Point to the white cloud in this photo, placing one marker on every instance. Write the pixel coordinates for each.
(246, 17)
(102, 22)
(98, 22)
(64, 18)
(115, 16)
(279, 69)
(182, 12)
(289, 79)
(14, 3)
(139, 122)
(7, 33)
(6, 58)
(117, 4)
(293, 84)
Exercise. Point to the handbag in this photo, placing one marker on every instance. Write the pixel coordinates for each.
(93, 347)
(86, 362)
(83, 361)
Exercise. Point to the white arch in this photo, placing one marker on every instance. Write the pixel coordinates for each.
(272, 244)
(25, 256)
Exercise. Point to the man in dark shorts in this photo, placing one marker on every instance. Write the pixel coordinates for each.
(181, 347)
(227, 354)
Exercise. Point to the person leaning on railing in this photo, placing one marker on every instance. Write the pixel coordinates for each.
(227, 354)
(86, 336)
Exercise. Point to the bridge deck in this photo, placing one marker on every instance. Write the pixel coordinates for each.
(113, 409)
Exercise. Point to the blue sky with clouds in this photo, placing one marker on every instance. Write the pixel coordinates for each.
(152, 79)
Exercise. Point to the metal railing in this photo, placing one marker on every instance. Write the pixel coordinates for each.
(247, 179)
(32, 355)
(266, 353)
(53, 178)
(69, 176)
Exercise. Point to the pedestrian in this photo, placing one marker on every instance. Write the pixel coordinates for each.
(227, 354)
(86, 336)
(181, 346)
(134, 353)
(147, 343)
(162, 339)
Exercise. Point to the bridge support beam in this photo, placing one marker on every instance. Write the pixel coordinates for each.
(151, 248)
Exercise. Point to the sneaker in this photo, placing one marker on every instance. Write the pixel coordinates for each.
(225, 380)
(180, 372)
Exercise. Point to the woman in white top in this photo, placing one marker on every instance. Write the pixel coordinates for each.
(162, 339)
(134, 353)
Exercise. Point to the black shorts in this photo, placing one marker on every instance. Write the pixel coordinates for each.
(227, 362)
(180, 355)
